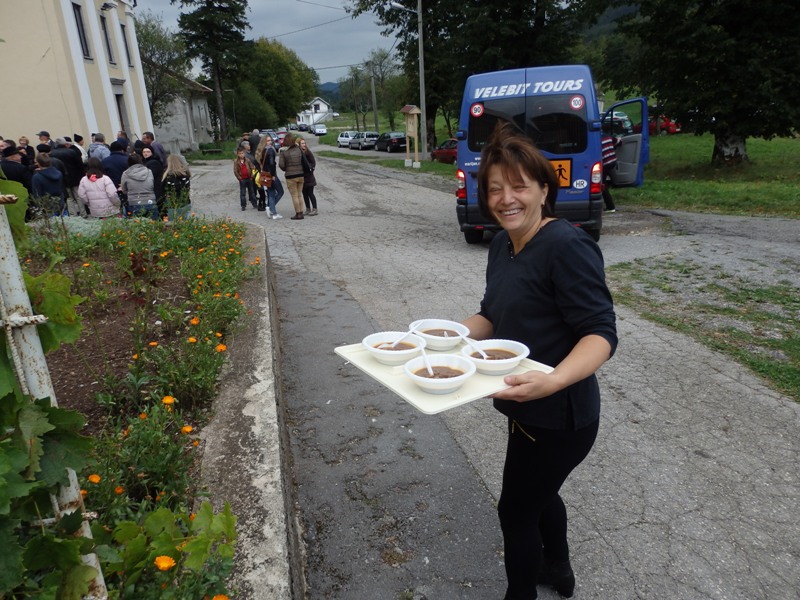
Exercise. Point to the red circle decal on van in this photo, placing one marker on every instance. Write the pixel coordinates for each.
(476, 110)
(576, 102)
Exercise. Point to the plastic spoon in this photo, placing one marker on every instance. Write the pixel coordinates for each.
(474, 347)
(427, 362)
(388, 346)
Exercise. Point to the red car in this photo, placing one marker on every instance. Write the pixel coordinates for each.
(447, 152)
(666, 125)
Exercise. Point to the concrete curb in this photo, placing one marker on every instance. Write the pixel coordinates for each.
(243, 453)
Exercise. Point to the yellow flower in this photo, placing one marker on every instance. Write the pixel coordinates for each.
(186, 429)
(192, 340)
(153, 344)
(118, 490)
(220, 347)
(94, 478)
(164, 563)
(168, 400)
(194, 321)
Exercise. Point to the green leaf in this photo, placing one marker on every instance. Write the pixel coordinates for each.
(70, 523)
(63, 449)
(12, 483)
(16, 212)
(48, 552)
(76, 582)
(135, 553)
(125, 531)
(110, 557)
(202, 520)
(7, 376)
(32, 423)
(225, 523)
(161, 520)
(197, 552)
(11, 570)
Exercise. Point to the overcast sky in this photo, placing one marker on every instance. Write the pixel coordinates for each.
(322, 34)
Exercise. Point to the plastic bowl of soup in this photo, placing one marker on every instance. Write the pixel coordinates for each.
(439, 334)
(504, 356)
(450, 371)
(407, 349)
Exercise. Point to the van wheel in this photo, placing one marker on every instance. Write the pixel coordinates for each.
(473, 236)
(595, 233)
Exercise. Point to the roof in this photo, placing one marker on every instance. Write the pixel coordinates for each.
(410, 109)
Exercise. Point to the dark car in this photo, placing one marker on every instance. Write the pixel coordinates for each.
(391, 141)
(447, 152)
(303, 126)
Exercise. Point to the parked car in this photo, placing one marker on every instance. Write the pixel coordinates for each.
(446, 152)
(271, 133)
(302, 126)
(281, 135)
(319, 129)
(364, 140)
(391, 141)
(294, 127)
(343, 141)
(666, 125)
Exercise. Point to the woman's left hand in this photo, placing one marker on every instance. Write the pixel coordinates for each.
(528, 386)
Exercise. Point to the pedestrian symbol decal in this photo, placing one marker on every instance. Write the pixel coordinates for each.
(563, 169)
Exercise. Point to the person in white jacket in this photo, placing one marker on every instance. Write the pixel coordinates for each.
(98, 192)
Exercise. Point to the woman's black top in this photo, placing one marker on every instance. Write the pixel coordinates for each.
(176, 190)
(548, 297)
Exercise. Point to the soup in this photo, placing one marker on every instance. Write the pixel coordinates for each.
(446, 333)
(495, 354)
(398, 346)
(439, 372)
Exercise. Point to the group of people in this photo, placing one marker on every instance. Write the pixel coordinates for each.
(122, 178)
(258, 174)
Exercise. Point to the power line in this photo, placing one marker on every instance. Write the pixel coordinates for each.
(323, 5)
(274, 37)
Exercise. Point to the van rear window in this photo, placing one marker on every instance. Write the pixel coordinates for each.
(550, 121)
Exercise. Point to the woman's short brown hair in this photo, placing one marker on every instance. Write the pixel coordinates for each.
(514, 152)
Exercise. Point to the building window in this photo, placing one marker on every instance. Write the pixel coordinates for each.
(76, 8)
(107, 37)
(125, 43)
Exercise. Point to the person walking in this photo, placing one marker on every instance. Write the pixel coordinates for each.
(309, 181)
(98, 192)
(608, 144)
(243, 171)
(260, 162)
(290, 160)
(176, 184)
(545, 287)
(137, 186)
(152, 162)
(275, 191)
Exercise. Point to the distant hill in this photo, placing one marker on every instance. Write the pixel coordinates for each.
(329, 92)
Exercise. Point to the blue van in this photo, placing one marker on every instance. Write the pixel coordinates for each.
(557, 108)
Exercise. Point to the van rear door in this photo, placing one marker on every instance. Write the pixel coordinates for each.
(628, 122)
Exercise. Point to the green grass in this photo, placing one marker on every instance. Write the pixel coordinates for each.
(426, 166)
(680, 177)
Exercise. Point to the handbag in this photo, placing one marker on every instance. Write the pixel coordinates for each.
(264, 179)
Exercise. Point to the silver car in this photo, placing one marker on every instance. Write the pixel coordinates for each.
(365, 140)
(343, 141)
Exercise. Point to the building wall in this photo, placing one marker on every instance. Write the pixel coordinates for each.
(59, 89)
(188, 126)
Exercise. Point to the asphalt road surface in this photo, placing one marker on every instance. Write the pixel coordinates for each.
(692, 489)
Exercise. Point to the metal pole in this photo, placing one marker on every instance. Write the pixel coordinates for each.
(424, 128)
(374, 103)
(16, 309)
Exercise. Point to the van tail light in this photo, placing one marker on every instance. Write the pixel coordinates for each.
(461, 185)
(596, 187)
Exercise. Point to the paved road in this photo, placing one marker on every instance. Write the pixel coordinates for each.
(691, 491)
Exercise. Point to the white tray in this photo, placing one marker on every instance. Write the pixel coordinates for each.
(477, 386)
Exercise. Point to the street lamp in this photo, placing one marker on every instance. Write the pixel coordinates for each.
(424, 128)
(234, 104)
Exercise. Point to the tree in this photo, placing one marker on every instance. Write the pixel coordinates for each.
(727, 68)
(164, 62)
(465, 38)
(387, 84)
(214, 33)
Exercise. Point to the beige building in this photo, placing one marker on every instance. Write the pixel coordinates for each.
(71, 66)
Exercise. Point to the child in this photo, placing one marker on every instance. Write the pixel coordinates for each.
(242, 169)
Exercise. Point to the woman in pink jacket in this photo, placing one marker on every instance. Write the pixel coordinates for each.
(98, 192)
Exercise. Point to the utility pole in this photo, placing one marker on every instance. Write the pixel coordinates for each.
(374, 103)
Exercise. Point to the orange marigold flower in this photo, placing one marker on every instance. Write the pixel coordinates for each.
(142, 416)
(192, 516)
(164, 254)
(220, 347)
(83, 493)
(220, 597)
(135, 357)
(199, 276)
(118, 490)
(86, 265)
(164, 563)
(196, 443)
(94, 478)
(168, 400)
(192, 340)
(194, 321)
(217, 295)
(187, 429)
(218, 334)
(153, 344)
